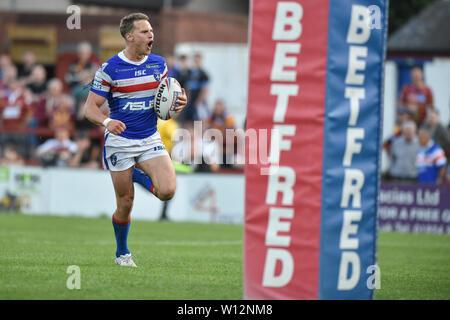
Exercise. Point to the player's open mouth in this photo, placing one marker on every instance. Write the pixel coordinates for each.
(149, 45)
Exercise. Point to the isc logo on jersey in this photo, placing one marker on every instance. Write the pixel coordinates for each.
(137, 106)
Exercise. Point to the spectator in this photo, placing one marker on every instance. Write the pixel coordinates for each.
(172, 68)
(403, 115)
(18, 112)
(49, 102)
(28, 64)
(11, 156)
(184, 72)
(80, 93)
(37, 81)
(222, 120)
(417, 96)
(63, 114)
(9, 76)
(197, 91)
(198, 83)
(438, 132)
(404, 153)
(201, 155)
(5, 62)
(431, 162)
(88, 154)
(448, 175)
(83, 62)
(57, 151)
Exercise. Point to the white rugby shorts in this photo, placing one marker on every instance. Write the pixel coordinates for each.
(121, 153)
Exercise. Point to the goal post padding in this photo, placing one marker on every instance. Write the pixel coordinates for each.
(315, 104)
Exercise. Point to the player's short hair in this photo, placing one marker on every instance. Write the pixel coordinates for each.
(127, 22)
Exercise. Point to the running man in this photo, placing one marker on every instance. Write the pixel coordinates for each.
(129, 81)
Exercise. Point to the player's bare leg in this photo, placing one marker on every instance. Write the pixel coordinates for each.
(124, 189)
(162, 173)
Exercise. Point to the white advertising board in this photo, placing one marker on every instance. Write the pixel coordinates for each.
(206, 198)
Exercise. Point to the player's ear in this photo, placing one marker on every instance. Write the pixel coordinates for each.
(129, 36)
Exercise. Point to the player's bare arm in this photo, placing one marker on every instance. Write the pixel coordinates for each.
(94, 114)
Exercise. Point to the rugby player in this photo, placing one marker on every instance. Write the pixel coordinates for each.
(129, 81)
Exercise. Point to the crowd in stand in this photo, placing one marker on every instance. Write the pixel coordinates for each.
(419, 148)
(42, 123)
(200, 152)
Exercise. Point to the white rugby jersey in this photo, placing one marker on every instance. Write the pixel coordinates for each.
(130, 88)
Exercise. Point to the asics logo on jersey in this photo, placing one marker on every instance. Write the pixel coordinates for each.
(137, 106)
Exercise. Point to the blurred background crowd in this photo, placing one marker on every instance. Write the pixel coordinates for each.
(45, 74)
(42, 117)
(42, 121)
(419, 147)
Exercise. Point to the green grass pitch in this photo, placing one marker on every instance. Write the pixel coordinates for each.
(178, 261)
